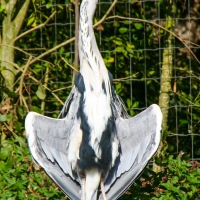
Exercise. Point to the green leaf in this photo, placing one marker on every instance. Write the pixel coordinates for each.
(41, 92)
(5, 152)
(117, 42)
(119, 49)
(136, 104)
(128, 102)
(31, 20)
(20, 140)
(183, 121)
(49, 5)
(138, 26)
(152, 72)
(175, 180)
(3, 118)
(123, 30)
(2, 8)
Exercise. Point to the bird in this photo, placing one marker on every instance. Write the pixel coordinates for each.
(93, 150)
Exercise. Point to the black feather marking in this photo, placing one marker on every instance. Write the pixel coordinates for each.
(90, 64)
(79, 83)
(86, 153)
(104, 87)
(110, 77)
(95, 59)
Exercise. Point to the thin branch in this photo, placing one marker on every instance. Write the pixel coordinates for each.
(105, 16)
(61, 89)
(35, 28)
(16, 48)
(54, 95)
(188, 41)
(125, 78)
(155, 24)
(21, 97)
(73, 68)
(35, 80)
(15, 65)
(52, 50)
(46, 80)
(187, 100)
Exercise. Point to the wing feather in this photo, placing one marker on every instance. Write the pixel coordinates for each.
(43, 140)
(139, 138)
(49, 140)
(47, 151)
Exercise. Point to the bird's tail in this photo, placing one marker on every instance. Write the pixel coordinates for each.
(93, 178)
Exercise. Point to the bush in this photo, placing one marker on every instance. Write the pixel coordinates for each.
(180, 180)
(183, 181)
(19, 177)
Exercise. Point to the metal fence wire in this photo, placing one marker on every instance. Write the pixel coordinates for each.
(134, 49)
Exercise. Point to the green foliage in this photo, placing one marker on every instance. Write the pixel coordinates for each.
(180, 180)
(183, 181)
(19, 177)
(2, 12)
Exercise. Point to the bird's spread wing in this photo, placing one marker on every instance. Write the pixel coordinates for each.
(139, 138)
(48, 141)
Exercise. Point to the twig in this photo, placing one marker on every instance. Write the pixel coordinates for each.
(105, 16)
(46, 80)
(125, 78)
(35, 80)
(187, 100)
(69, 65)
(14, 64)
(196, 45)
(35, 28)
(64, 88)
(54, 95)
(52, 50)
(18, 49)
(21, 97)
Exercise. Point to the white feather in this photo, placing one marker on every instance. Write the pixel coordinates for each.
(92, 182)
(97, 117)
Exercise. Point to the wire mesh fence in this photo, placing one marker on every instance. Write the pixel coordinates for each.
(133, 49)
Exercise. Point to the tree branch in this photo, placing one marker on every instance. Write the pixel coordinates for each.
(37, 81)
(21, 97)
(73, 68)
(18, 49)
(35, 28)
(19, 19)
(105, 16)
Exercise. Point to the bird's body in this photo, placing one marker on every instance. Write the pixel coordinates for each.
(97, 126)
(93, 145)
